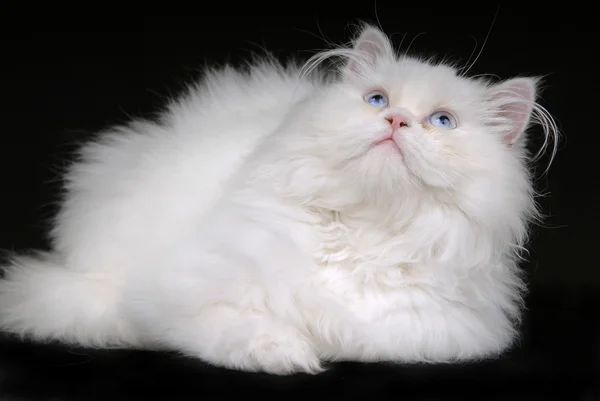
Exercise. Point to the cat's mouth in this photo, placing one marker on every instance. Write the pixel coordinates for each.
(389, 142)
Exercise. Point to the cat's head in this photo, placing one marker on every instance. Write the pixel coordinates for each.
(394, 128)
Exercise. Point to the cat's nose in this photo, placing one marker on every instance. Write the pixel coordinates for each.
(397, 120)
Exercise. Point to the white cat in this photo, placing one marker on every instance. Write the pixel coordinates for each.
(274, 220)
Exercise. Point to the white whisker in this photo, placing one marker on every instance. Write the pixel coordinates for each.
(464, 73)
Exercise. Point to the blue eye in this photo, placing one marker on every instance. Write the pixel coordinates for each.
(442, 119)
(377, 99)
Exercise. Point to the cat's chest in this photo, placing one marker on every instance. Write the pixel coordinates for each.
(336, 245)
(370, 273)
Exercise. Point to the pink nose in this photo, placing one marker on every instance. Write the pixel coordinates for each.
(397, 121)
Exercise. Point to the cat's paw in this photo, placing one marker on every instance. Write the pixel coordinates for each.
(282, 351)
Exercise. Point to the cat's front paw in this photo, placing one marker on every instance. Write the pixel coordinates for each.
(282, 352)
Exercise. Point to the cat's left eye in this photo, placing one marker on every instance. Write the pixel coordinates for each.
(443, 119)
(377, 99)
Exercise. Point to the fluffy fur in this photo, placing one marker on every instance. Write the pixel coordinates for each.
(257, 226)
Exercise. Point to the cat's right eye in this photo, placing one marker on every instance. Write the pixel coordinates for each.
(377, 99)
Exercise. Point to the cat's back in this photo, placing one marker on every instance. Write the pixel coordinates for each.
(144, 185)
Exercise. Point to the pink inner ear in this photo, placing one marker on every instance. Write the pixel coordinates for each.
(364, 47)
(518, 96)
(372, 43)
(519, 114)
(368, 44)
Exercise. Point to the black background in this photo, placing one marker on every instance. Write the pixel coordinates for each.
(63, 78)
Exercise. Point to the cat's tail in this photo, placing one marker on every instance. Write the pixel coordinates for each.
(41, 299)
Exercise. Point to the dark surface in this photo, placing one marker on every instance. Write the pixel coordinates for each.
(557, 360)
(66, 78)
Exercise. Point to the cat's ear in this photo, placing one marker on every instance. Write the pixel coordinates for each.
(514, 101)
(369, 46)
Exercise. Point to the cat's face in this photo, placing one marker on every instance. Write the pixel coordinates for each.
(394, 126)
(406, 120)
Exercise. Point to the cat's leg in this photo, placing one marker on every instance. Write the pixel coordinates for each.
(231, 323)
(228, 296)
(229, 337)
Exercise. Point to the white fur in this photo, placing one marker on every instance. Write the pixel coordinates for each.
(255, 228)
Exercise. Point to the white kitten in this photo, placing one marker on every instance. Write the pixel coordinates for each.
(274, 220)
